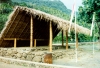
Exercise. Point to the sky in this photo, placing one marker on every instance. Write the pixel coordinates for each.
(69, 3)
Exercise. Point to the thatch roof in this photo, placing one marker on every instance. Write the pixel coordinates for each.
(18, 26)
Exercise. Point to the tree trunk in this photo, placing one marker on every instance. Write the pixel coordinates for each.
(99, 31)
(99, 35)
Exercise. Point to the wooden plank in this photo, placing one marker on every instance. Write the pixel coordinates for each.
(31, 32)
(34, 42)
(50, 38)
(76, 40)
(62, 39)
(66, 40)
(15, 42)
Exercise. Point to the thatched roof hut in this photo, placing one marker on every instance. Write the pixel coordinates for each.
(18, 26)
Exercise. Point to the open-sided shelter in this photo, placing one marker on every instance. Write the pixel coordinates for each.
(27, 26)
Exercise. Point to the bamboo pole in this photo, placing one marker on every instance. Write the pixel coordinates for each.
(15, 42)
(66, 40)
(31, 32)
(50, 37)
(34, 42)
(62, 39)
(76, 40)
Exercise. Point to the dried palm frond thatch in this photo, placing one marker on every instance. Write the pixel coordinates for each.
(18, 25)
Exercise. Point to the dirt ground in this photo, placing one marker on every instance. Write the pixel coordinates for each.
(85, 59)
(4, 65)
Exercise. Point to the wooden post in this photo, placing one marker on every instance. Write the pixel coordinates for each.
(15, 42)
(31, 32)
(34, 42)
(50, 37)
(66, 40)
(62, 39)
(76, 40)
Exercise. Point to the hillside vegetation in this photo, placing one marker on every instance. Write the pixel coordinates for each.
(56, 4)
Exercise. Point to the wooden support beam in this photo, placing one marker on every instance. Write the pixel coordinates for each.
(66, 40)
(8, 38)
(62, 38)
(76, 40)
(14, 39)
(34, 42)
(50, 37)
(15, 43)
(31, 32)
(41, 39)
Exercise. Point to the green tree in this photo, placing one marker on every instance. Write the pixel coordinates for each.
(86, 12)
